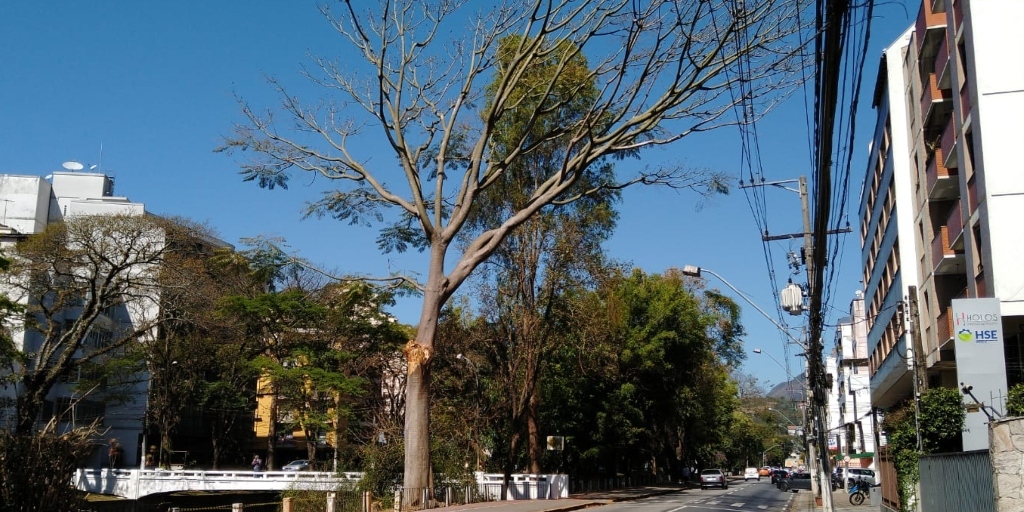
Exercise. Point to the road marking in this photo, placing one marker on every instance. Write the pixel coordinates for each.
(738, 504)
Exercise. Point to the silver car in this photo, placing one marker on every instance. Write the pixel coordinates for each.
(713, 478)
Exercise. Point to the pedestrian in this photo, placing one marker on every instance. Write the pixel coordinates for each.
(256, 463)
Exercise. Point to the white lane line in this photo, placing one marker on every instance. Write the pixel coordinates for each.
(738, 504)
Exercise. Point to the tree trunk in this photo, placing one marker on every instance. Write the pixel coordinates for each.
(535, 446)
(271, 428)
(27, 409)
(418, 354)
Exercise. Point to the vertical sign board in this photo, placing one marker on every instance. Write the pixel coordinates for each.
(980, 363)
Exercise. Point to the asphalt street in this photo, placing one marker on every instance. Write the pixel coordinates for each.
(739, 497)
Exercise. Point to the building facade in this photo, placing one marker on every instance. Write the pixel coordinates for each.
(942, 196)
(855, 420)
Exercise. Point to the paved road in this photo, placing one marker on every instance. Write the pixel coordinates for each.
(739, 497)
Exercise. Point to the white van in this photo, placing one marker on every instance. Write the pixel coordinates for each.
(751, 474)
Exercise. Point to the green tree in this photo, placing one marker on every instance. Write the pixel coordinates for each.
(664, 69)
(522, 287)
(645, 381)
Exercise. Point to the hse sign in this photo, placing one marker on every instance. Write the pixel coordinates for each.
(980, 363)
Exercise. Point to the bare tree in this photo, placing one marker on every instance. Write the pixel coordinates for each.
(664, 69)
(89, 286)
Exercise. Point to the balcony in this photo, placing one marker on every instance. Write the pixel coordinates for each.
(941, 180)
(944, 259)
(929, 28)
(936, 103)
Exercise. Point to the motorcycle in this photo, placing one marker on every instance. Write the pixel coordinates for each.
(858, 491)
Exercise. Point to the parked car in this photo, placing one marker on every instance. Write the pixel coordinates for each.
(778, 475)
(296, 465)
(751, 474)
(849, 475)
(795, 481)
(713, 477)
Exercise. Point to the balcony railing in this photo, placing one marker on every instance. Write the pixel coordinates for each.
(932, 97)
(942, 183)
(955, 222)
(949, 141)
(944, 259)
(926, 27)
(944, 326)
(942, 63)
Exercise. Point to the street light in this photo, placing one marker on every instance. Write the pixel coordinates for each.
(776, 411)
(695, 271)
(784, 367)
(764, 461)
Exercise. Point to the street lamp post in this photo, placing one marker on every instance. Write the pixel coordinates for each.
(784, 367)
(695, 271)
(764, 461)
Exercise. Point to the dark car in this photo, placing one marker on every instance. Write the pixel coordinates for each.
(796, 481)
(778, 475)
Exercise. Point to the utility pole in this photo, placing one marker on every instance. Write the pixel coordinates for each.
(817, 450)
(920, 372)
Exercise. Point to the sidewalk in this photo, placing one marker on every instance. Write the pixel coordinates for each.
(804, 502)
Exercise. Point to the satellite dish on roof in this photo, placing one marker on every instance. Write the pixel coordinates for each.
(72, 166)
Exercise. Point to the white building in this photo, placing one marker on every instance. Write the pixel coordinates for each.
(852, 389)
(30, 203)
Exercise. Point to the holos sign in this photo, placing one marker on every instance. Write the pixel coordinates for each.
(980, 363)
(977, 327)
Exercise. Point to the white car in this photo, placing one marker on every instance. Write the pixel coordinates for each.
(751, 474)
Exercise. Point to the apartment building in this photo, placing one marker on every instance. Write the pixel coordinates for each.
(887, 214)
(855, 416)
(949, 106)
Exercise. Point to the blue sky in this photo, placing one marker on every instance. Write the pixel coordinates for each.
(153, 84)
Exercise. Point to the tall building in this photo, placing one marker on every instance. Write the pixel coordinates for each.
(855, 420)
(941, 200)
(887, 214)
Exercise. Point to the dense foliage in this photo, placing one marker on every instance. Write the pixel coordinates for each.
(1015, 400)
(639, 384)
(940, 422)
